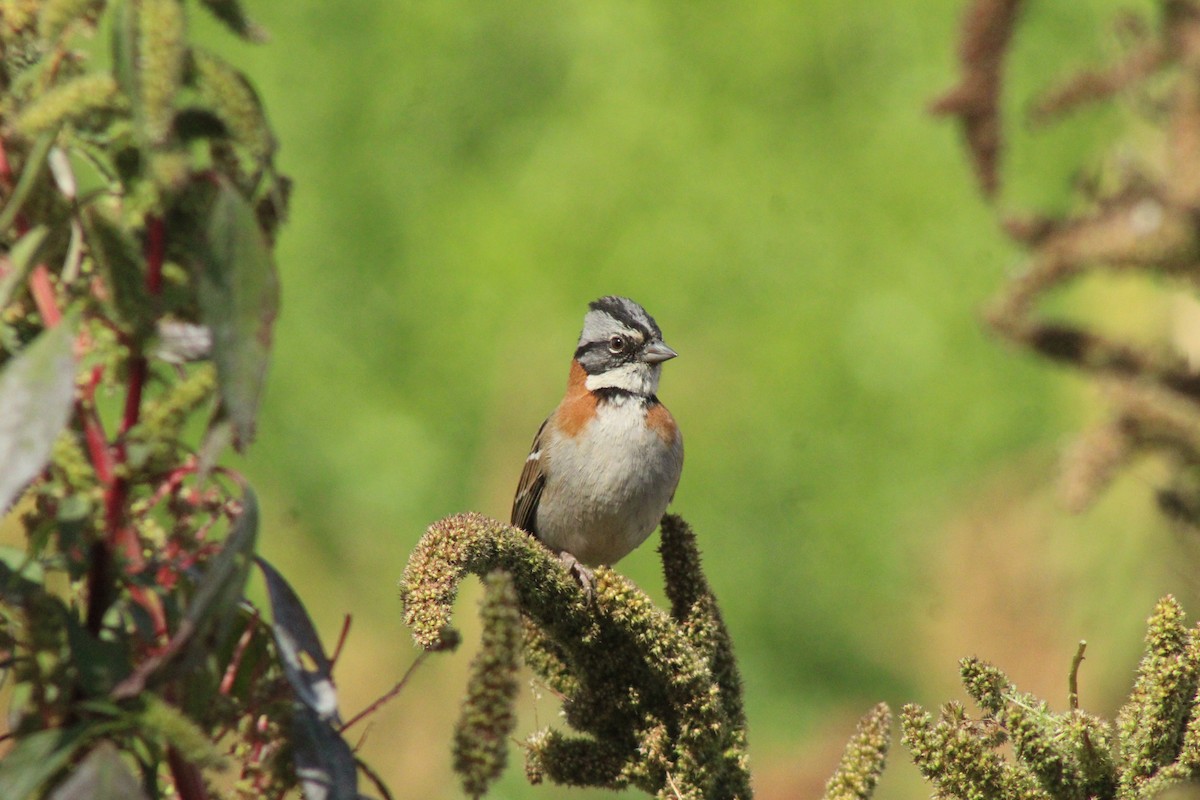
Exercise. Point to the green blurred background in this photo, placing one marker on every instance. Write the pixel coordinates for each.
(870, 474)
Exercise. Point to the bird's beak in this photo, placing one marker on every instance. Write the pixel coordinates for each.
(657, 352)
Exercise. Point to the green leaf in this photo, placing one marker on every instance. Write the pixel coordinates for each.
(296, 636)
(35, 162)
(102, 775)
(36, 391)
(101, 663)
(324, 763)
(212, 611)
(214, 605)
(20, 576)
(124, 51)
(35, 758)
(20, 259)
(239, 300)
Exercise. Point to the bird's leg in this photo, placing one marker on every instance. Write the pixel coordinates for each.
(582, 573)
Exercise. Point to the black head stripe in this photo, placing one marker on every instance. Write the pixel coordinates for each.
(628, 313)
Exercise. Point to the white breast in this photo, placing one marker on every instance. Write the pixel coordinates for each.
(607, 488)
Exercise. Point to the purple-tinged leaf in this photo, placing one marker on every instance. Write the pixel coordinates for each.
(324, 762)
(102, 775)
(297, 640)
(36, 390)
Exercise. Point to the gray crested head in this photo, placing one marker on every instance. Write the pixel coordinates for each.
(624, 311)
(621, 347)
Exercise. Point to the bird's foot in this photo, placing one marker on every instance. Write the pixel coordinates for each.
(580, 572)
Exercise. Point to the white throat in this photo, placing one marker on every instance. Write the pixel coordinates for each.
(637, 377)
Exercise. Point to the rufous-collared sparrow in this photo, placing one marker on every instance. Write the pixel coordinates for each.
(605, 464)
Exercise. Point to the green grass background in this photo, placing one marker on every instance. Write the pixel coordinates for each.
(870, 473)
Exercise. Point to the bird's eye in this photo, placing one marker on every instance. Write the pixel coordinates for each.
(616, 344)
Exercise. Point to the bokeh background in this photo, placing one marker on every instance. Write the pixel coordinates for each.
(871, 475)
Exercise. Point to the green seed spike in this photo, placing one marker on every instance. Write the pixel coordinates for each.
(987, 685)
(648, 703)
(161, 50)
(58, 14)
(227, 92)
(487, 718)
(1152, 724)
(864, 758)
(66, 102)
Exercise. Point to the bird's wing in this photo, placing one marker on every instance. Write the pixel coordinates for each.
(529, 488)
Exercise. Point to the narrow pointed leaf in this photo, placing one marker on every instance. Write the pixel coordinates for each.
(99, 663)
(34, 760)
(239, 299)
(36, 390)
(20, 575)
(221, 588)
(124, 51)
(100, 776)
(295, 636)
(34, 164)
(324, 762)
(20, 259)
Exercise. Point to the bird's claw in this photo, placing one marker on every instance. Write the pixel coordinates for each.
(580, 572)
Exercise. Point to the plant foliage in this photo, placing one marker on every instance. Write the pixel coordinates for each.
(1135, 214)
(139, 204)
(1152, 747)
(653, 697)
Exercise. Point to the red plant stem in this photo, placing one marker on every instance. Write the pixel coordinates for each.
(337, 650)
(173, 480)
(133, 402)
(93, 430)
(395, 690)
(121, 536)
(188, 781)
(43, 295)
(156, 249)
(235, 662)
(6, 174)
